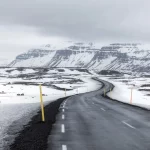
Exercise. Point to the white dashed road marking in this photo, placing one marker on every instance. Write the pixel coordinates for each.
(64, 147)
(128, 125)
(103, 109)
(63, 128)
(63, 117)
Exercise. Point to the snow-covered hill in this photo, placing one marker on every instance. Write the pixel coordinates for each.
(121, 57)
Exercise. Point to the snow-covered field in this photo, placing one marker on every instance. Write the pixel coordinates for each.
(20, 100)
(122, 91)
(19, 94)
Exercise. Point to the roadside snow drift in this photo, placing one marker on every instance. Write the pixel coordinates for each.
(19, 94)
(122, 90)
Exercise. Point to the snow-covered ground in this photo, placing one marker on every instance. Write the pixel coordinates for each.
(122, 90)
(20, 109)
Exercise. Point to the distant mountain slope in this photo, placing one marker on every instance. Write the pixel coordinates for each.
(120, 57)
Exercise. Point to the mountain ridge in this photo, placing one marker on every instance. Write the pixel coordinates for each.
(124, 57)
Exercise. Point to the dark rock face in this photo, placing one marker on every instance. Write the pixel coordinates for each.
(109, 72)
(124, 57)
(32, 54)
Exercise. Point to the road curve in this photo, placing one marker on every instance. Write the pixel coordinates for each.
(92, 122)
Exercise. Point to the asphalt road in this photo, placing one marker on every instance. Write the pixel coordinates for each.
(92, 122)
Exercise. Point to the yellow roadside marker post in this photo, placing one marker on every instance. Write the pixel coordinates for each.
(42, 106)
(131, 96)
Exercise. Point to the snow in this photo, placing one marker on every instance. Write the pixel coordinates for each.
(31, 93)
(32, 62)
(77, 59)
(144, 46)
(122, 91)
(13, 112)
(13, 108)
(89, 57)
(104, 63)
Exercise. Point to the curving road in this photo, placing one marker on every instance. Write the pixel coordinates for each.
(92, 122)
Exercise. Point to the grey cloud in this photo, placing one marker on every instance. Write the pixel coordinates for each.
(122, 20)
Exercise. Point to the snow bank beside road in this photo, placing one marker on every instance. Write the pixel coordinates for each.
(13, 112)
(122, 91)
(13, 108)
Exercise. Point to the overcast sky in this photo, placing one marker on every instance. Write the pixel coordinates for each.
(27, 23)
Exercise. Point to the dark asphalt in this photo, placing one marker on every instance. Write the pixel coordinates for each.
(93, 122)
(35, 134)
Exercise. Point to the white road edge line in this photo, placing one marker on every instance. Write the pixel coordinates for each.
(63, 128)
(103, 109)
(63, 117)
(64, 147)
(128, 125)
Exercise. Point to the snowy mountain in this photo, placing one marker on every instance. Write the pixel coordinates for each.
(124, 57)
